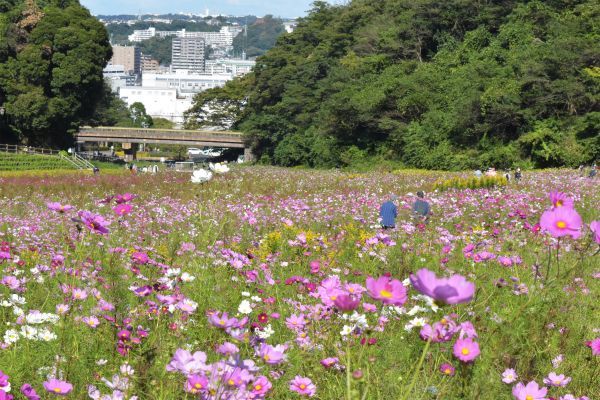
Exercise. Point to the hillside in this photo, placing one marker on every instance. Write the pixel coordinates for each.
(452, 85)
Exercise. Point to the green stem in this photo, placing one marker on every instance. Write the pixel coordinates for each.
(417, 369)
(348, 377)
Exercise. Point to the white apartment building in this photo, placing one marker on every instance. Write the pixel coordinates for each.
(160, 102)
(223, 38)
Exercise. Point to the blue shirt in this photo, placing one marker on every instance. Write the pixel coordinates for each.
(388, 213)
(421, 207)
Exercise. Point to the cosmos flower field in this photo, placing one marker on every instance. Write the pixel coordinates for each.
(278, 284)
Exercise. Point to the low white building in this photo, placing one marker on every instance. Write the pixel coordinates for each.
(160, 102)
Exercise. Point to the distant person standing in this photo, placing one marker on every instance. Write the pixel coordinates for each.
(421, 209)
(593, 171)
(581, 171)
(478, 173)
(518, 175)
(388, 213)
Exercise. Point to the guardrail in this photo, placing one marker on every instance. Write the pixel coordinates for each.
(15, 148)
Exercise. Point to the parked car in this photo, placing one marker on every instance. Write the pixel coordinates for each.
(193, 151)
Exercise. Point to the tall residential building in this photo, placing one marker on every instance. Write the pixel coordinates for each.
(189, 54)
(129, 57)
(149, 64)
(223, 38)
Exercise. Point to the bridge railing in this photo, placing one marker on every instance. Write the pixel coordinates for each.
(153, 131)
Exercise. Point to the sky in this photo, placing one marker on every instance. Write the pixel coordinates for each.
(279, 8)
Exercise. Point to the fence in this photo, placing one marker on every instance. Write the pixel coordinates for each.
(18, 149)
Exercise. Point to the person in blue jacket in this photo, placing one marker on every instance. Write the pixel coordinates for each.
(388, 213)
(421, 208)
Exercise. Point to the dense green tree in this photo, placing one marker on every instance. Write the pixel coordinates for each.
(259, 37)
(139, 116)
(158, 48)
(51, 58)
(453, 84)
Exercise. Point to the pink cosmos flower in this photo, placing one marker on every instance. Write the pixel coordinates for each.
(139, 257)
(271, 354)
(123, 209)
(228, 349)
(595, 228)
(186, 362)
(261, 386)
(58, 387)
(295, 322)
(303, 386)
(453, 290)
(329, 362)
(556, 380)
(531, 391)
(79, 294)
(95, 223)
(61, 208)
(222, 320)
(388, 291)
(196, 384)
(595, 346)
(92, 321)
(447, 369)
(562, 221)
(509, 375)
(466, 350)
(29, 392)
(124, 198)
(560, 199)
(345, 302)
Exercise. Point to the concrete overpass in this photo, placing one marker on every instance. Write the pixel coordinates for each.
(127, 136)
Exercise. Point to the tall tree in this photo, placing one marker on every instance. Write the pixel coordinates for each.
(51, 58)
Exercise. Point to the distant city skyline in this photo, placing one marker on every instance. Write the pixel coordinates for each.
(280, 8)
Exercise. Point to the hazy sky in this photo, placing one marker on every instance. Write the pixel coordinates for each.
(282, 8)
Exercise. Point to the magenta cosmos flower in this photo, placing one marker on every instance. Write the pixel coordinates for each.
(466, 350)
(122, 209)
(271, 354)
(447, 369)
(531, 391)
(388, 291)
(595, 228)
(562, 221)
(58, 387)
(345, 302)
(303, 386)
(560, 199)
(95, 223)
(453, 290)
(595, 346)
(61, 208)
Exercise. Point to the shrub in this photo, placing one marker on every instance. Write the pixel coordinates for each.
(471, 183)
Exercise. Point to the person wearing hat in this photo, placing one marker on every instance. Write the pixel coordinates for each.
(388, 213)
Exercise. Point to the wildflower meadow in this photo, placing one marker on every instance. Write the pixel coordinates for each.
(280, 284)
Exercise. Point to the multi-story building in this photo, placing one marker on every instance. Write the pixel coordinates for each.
(186, 83)
(129, 57)
(159, 102)
(229, 67)
(188, 53)
(223, 38)
(149, 64)
(117, 77)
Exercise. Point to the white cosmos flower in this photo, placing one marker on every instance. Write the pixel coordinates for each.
(245, 307)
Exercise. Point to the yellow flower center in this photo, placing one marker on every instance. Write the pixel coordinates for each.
(303, 386)
(561, 224)
(465, 351)
(198, 386)
(559, 203)
(221, 322)
(266, 357)
(231, 382)
(529, 397)
(56, 390)
(257, 387)
(385, 293)
(333, 298)
(447, 371)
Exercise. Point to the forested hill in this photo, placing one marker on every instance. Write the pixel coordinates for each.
(453, 84)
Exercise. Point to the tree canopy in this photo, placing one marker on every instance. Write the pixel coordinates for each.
(52, 53)
(440, 85)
